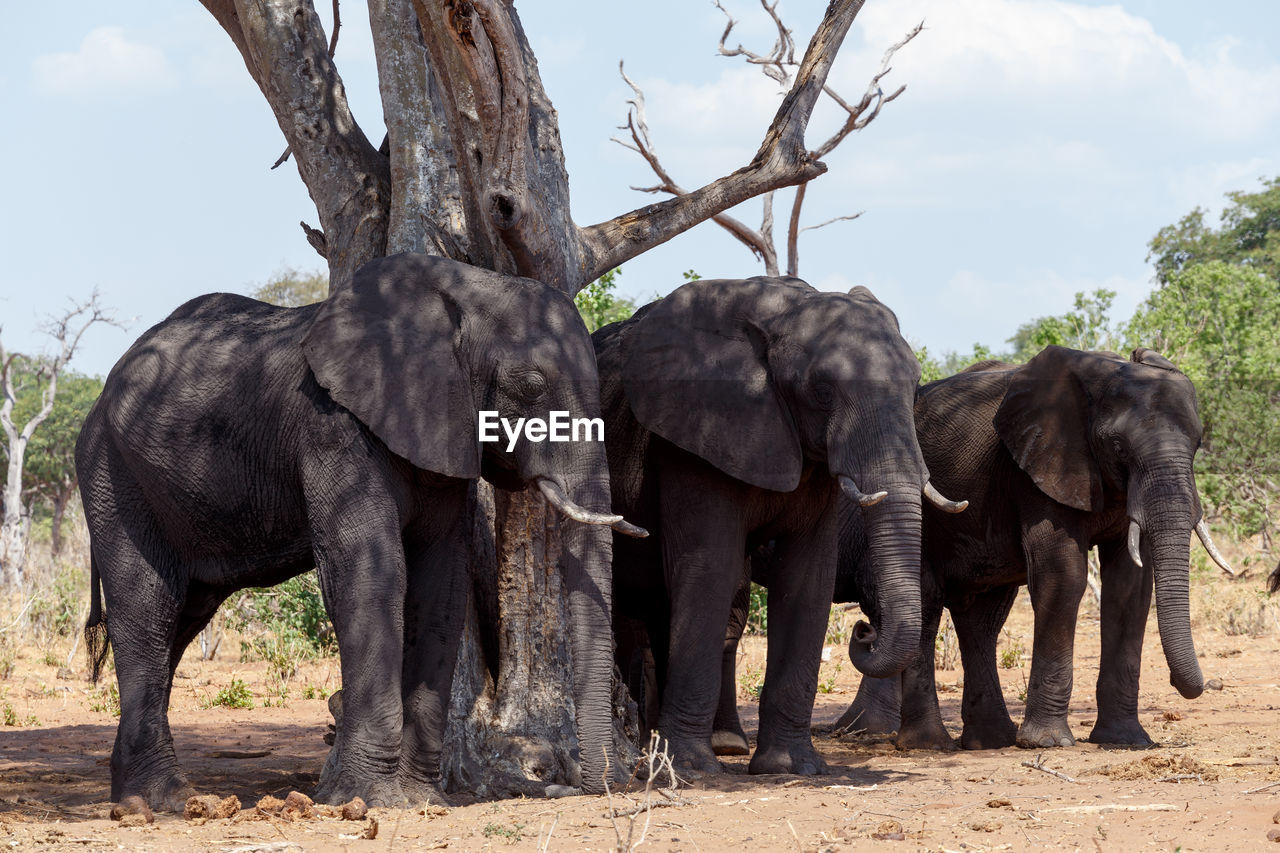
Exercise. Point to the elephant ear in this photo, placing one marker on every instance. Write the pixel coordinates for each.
(386, 349)
(1044, 422)
(696, 372)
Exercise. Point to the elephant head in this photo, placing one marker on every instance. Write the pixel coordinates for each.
(1095, 429)
(417, 347)
(760, 377)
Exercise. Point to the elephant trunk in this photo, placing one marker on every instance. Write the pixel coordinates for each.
(586, 563)
(892, 642)
(1170, 551)
(1163, 510)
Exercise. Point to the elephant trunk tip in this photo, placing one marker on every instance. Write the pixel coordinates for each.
(1189, 688)
(874, 661)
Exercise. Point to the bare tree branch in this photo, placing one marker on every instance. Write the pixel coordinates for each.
(781, 161)
(777, 65)
(333, 48)
(285, 49)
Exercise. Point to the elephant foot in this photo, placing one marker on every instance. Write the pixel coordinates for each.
(422, 791)
(729, 742)
(869, 719)
(795, 759)
(166, 793)
(382, 791)
(925, 735)
(1033, 735)
(989, 735)
(693, 758)
(1128, 732)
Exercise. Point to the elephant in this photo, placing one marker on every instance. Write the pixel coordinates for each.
(735, 412)
(238, 444)
(1069, 451)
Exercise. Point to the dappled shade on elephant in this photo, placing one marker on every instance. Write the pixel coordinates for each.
(237, 444)
(734, 412)
(1072, 450)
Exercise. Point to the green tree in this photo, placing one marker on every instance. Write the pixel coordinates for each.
(292, 288)
(1249, 236)
(1089, 327)
(1217, 321)
(598, 304)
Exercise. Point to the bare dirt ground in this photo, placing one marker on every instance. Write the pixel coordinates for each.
(1211, 783)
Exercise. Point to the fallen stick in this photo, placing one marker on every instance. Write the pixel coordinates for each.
(1038, 764)
(1261, 788)
(1115, 807)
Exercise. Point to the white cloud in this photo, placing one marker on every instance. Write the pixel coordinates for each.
(1064, 56)
(106, 63)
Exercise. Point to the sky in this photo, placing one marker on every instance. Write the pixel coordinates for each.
(1039, 145)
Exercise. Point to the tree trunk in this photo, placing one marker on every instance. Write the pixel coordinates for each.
(13, 539)
(476, 172)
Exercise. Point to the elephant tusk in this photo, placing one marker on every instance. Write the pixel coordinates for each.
(628, 529)
(1135, 536)
(1202, 530)
(935, 497)
(851, 489)
(557, 498)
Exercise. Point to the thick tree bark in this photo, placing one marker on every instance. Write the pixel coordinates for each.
(476, 172)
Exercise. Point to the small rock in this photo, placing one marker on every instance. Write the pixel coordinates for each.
(986, 826)
(354, 810)
(1273, 835)
(889, 830)
(999, 804)
(1275, 818)
(1213, 684)
(209, 807)
(133, 806)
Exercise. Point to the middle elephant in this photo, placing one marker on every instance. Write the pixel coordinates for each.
(735, 412)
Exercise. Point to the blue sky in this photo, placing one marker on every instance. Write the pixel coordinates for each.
(1038, 147)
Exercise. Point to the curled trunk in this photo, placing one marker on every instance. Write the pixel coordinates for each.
(892, 642)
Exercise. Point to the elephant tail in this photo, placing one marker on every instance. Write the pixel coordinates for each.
(95, 628)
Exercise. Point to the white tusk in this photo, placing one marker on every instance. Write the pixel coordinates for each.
(1202, 530)
(1135, 536)
(557, 498)
(851, 489)
(935, 497)
(628, 529)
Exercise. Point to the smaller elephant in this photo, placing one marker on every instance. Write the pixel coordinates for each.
(735, 413)
(1072, 450)
(238, 444)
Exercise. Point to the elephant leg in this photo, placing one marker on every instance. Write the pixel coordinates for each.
(877, 709)
(1126, 599)
(435, 599)
(702, 545)
(727, 735)
(362, 577)
(978, 618)
(142, 623)
(799, 608)
(202, 602)
(921, 725)
(1056, 572)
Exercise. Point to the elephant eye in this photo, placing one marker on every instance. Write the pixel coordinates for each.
(824, 393)
(1120, 449)
(529, 384)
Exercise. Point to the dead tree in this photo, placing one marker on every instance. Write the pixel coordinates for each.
(473, 169)
(67, 332)
(778, 64)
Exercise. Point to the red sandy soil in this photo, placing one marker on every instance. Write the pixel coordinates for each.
(1211, 783)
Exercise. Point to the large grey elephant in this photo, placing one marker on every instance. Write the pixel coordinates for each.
(1070, 451)
(237, 444)
(735, 412)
